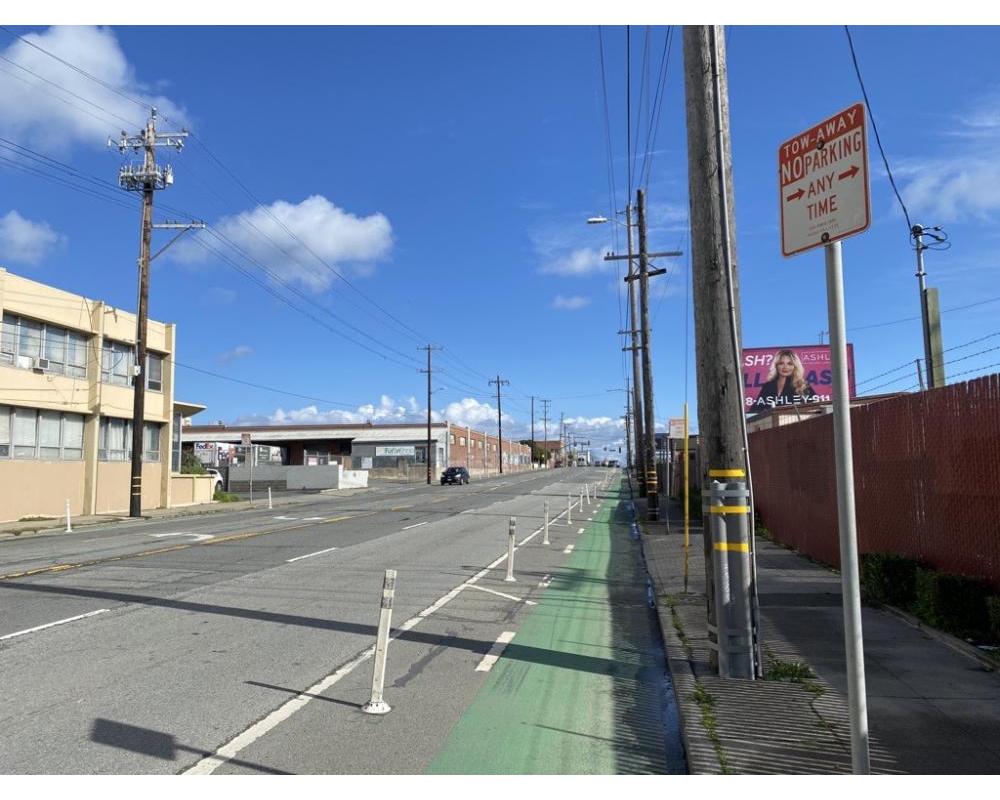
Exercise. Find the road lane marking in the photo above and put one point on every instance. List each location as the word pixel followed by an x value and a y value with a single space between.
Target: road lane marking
pixel 289 519
pixel 231 749
pixel 501 594
pixel 310 555
pixel 569 549
pixel 314 519
pixel 53 624
pixel 496 651
pixel 160 550
pixel 198 537
pixel 581 530
pixel 417 525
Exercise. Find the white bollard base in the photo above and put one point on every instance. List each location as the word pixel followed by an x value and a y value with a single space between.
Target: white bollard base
pixel 510 580
pixel 376 707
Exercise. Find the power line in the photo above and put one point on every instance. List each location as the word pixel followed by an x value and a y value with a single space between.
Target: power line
pixel 878 140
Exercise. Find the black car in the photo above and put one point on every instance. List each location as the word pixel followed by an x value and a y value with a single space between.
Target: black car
pixel 455 475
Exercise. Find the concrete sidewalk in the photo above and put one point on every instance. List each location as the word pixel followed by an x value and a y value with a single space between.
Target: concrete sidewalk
pixel 933 708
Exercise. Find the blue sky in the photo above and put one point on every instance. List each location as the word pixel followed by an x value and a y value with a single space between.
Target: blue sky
pixel 447 173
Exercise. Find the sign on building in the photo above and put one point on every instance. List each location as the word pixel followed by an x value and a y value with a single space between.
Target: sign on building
pixel 781 376
pixel 677 428
pixel 396 451
pixel 205 452
pixel 823 180
pixel 245 439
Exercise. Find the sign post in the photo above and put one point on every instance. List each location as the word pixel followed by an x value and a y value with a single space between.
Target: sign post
pixel 823 179
pixel 249 450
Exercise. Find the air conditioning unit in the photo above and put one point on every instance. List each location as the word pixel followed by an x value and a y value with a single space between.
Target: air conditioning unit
pixel 40 364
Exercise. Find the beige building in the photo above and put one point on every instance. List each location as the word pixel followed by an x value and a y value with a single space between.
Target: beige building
pixel 66 405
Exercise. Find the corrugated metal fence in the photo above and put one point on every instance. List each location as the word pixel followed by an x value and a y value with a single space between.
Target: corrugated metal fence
pixel 927 479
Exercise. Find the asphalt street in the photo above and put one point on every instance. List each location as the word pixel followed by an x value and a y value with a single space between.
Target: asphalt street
pixel 201 643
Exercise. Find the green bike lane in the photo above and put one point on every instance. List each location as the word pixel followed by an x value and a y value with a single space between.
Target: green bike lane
pixel 600 701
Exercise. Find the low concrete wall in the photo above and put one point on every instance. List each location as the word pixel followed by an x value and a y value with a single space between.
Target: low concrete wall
pixel 354 479
pixel 40 488
pixel 284 477
pixel 189 490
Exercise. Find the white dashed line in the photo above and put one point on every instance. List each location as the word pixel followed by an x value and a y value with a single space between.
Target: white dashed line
pixel 417 525
pixel 288 519
pixel 52 624
pixel 299 558
pixel 496 651
pixel 569 549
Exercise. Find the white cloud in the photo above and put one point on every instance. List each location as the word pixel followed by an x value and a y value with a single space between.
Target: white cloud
pixel 584 424
pixel 239 351
pixel 579 262
pixel 573 303
pixel 466 412
pixel 42 110
pixel 25 242
pixel 967 185
pixel 470 412
pixel 318 228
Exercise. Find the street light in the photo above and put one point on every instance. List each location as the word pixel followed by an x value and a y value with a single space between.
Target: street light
pixel 596 220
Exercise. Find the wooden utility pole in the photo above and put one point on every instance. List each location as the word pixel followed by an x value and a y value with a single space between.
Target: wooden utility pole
pixel 147 178
pixel 635 347
pixel 429 348
pixel 715 288
pixel 649 422
pixel 499 383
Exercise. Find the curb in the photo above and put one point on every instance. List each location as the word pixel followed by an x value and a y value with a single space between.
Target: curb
pixel 958 645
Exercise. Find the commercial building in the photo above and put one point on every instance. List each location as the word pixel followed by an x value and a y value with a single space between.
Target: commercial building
pixel 387 451
pixel 66 365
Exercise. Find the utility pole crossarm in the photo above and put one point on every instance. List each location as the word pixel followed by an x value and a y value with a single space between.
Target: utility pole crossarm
pixel 669 254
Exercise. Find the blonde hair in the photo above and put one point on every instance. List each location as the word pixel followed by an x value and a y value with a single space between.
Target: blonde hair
pixel 798 372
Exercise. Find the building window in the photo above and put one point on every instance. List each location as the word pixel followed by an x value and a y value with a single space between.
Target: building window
pixel 35 345
pixel 461 441
pixel 45 435
pixel 117 359
pixel 451 438
pixel 115 440
pixel 154 372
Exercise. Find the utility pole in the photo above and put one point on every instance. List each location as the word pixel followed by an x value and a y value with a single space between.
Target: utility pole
pixel 714 277
pixel 635 348
pixel 649 423
pixel 429 348
pixel 532 427
pixel 562 437
pixel 499 383
pixel 628 436
pixel 545 432
pixel 147 178
pixel 930 313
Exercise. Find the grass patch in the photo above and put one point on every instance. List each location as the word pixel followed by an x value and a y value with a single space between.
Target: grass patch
pixel 36 518
pixel 791 672
pixel 706 703
pixel 676 621
pixel 225 497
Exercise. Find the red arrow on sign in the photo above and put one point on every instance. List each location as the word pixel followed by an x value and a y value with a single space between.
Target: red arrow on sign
pixel 796 195
pixel 850 173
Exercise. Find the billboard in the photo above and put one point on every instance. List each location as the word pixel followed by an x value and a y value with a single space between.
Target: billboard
pixel 405 451
pixel 774 377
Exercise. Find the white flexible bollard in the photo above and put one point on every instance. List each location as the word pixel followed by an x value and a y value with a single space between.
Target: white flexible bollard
pixel 270 507
pixel 377 704
pixel 545 527
pixel 569 509
pixel 511 537
pixel 69 522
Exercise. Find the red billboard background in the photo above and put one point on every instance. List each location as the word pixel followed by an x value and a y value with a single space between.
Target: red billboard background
pixel 764 389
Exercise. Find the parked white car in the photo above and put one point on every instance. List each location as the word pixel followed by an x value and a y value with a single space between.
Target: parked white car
pixel 217 487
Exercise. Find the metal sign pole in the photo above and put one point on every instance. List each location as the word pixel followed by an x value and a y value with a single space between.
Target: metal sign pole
pixel 845 513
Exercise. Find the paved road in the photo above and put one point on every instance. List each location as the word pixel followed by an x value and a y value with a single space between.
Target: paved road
pixel 191 653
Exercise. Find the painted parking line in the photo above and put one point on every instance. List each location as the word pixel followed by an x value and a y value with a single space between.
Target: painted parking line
pixel 310 555
pixel 417 525
pixel 53 624
pixel 501 594
pixel 496 651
